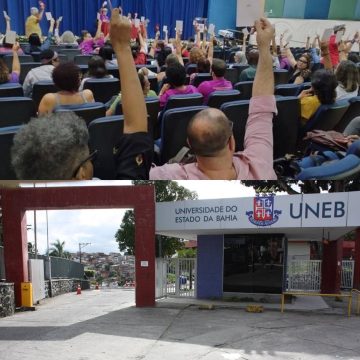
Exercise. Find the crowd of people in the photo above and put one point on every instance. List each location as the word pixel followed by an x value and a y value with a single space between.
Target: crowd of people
pixel 55 145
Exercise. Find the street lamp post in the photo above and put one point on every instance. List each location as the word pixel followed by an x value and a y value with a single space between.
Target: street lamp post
pixel 82 245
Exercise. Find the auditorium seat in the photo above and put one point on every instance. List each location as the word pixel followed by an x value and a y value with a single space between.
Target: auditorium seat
pixel 103 89
pixel 6 142
pixel 63 58
pixel 245 88
pixel 185 100
pixel 199 78
pixel 8 59
pixel 152 68
pixel 11 89
pixel 237 112
pixel 218 54
pixel 82 59
pixel 70 53
pixel 327 117
pixel 191 69
pixel 286 126
pixel 281 76
pixel 288 89
pixel 114 71
pixel 152 107
pixel 352 112
pixel 42 88
pixel 16 111
pixel 88 112
pixel 232 75
pixel 240 69
pixel 105 133
pixel 153 83
pixel 217 98
pixel 174 131
pixel 25 68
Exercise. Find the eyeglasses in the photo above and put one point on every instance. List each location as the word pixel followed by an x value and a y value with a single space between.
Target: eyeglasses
pixel 303 61
pixel 92 157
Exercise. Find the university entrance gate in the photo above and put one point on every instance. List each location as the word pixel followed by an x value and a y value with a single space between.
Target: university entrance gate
pixel 15 202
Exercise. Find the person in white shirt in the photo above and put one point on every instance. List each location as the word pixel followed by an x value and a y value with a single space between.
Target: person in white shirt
pixel 347 75
pixel 49 59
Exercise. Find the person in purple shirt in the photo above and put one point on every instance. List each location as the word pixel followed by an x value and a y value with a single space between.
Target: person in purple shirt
pixel 175 84
pixel 211 138
pixel 218 69
pixel 89 43
pixel 5 75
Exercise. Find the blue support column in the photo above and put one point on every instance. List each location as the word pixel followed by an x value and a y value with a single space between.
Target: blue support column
pixel 210 264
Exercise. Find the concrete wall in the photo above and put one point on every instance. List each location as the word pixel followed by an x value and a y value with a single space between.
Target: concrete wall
pixel 7 300
pixel 64 286
pixel 210 254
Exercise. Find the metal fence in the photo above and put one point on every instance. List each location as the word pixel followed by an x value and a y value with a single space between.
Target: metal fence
pixel 347 274
pixel 61 268
pixel 304 275
pixel 2 264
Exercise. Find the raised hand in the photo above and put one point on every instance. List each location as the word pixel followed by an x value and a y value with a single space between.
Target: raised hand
pixel 265 32
pixel 120 29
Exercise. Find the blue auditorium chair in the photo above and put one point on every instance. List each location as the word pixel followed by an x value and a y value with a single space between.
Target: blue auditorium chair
pixel 16 111
pixel 217 98
pixel 6 142
pixel 103 89
pixel 11 89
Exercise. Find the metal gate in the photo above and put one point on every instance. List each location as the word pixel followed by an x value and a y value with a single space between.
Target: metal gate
pixel 176 277
pixel 347 274
pixel 304 275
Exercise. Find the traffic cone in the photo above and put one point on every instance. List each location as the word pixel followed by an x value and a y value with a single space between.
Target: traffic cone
pixel 97 286
pixel 78 290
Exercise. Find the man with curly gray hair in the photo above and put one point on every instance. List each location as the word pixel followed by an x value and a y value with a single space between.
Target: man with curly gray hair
pixel 53 147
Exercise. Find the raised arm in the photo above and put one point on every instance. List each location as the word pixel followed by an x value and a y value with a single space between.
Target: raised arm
pixel 264 78
pixel 57 30
pixel 132 96
pixel 211 49
pixel 42 10
pixel 291 58
pixel 142 43
pixel 243 48
pixel 166 39
pixel 154 45
pixel 178 47
pixel 325 53
pixel 16 63
pixel 8 23
pixel 307 46
pixel 98 30
pixel 198 36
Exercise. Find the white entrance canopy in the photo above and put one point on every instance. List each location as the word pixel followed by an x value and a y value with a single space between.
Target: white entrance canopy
pixel 300 217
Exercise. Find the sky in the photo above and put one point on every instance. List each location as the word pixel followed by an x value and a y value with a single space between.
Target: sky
pixel 98 227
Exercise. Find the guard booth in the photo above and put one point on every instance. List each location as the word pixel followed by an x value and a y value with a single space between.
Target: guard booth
pixel 267 244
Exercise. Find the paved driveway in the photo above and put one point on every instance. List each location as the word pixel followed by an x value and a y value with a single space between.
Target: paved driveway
pixel 106 325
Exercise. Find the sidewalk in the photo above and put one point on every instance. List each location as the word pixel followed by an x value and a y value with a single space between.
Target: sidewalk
pixel 106 325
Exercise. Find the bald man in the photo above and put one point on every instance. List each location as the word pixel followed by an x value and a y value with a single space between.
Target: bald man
pixel 211 139
pixel 32 25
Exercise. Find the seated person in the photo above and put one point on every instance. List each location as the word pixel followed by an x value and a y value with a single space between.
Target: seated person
pixel 67 37
pixel 240 58
pixel 249 73
pixel 322 92
pixel 107 52
pixel 49 60
pixel 56 147
pixel 89 44
pixel 67 78
pixel 203 67
pixel 302 72
pixel 139 50
pixel 219 83
pixel 353 128
pixel 347 74
pixel 35 44
pixel 176 78
pixel 97 70
pixel 210 132
pixel 145 85
pixel 5 75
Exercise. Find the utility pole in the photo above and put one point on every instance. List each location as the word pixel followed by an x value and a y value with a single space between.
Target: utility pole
pixel 82 245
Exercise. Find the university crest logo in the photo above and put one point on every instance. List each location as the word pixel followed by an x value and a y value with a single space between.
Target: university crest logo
pixel 263 213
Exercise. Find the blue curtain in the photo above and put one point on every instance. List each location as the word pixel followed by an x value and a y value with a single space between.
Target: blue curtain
pixel 81 14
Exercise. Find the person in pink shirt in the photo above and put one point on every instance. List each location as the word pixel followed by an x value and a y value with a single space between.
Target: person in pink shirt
pixel 89 43
pixel 219 83
pixel 175 78
pixel 210 132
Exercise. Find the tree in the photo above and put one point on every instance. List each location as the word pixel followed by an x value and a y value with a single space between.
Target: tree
pixel 165 246
pixel 187 253
pixel 294 187
pixel 57 250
